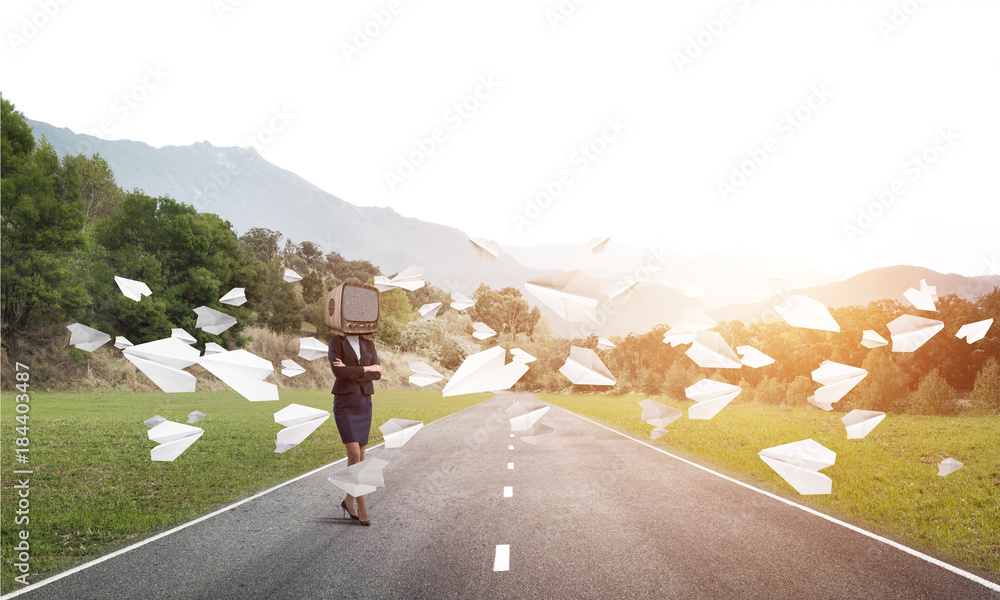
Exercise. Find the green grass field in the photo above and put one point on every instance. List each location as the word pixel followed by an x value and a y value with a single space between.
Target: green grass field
pixel 886 482
pixel 95 489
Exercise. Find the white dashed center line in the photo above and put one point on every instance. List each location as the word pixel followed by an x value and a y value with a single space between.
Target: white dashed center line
pixel 510 466
pixel 508 491
pixel 502 560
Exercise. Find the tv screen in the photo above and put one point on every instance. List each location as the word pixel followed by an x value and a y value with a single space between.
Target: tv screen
pixel 353 309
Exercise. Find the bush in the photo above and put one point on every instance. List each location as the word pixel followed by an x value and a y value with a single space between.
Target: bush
pixel 933 396
pixel 986 391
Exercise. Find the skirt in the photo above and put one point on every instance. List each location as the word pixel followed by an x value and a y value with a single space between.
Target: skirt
pixel 353 415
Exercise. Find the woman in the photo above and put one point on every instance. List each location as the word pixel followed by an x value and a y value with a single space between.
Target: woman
pixel 355 365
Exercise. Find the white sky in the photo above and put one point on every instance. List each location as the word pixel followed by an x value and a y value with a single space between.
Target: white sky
pixel 886 94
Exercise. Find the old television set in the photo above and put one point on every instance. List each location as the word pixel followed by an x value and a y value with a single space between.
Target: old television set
pixel 353 309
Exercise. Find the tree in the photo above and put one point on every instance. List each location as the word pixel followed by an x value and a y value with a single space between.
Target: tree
pixel 800 390
pixel 933 396
pixel 504 310
pixel 884 388
pixel 312 287
pixel 264 242
pixel 986 391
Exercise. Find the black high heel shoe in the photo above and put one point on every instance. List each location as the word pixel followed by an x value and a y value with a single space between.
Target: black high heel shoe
pixel 343 505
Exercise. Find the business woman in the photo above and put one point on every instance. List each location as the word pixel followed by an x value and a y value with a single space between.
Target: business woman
pixel 355 365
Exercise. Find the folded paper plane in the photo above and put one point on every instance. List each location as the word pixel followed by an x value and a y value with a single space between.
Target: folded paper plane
pixel 860 423
pixel 923 298
pixel 481 331
pixel 133 289
pixel 696 319
pixel 754 358
pixel 429 311
pixel 681 334
pixel 657 433
pixel 709 350
pixel 598 244
pixel 213 348
pixel 691 290
pixel 299 422
pixel 173 439
pixel 658 414
pixel 837 380
pixel 523 414
pixel 948 466
pixel 802 311
pixel 584 367
pixel 871 339
pixel 235 297
pixel 711 397
pixel 290 368
pixel 360 478
pixel 86 338
pixel 973 332
pixel 244 372
pixel 537 431
pixel 424 374
pixel 520 355
pixel 180 334
pixel 573 295
pixel 604 344
pixel 311 349
pixel 154 421
pixel 909 332
pixel 213 321
pixel 163 361
pixel 486 250
pixel 460 302
pixel 799 464
pixel 397 432
pixel 485 372
pixel 409 278
pixel 195 416
pixel 291 276
pixel 121 342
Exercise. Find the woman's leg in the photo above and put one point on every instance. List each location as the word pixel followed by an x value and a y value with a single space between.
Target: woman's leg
pixel 355 455
pixel 362 509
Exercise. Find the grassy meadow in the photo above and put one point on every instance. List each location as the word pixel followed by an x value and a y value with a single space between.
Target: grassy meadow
pixel 95 489
pixel 886 482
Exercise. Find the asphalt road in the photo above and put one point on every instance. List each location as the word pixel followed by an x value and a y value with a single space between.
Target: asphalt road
pixel 592 515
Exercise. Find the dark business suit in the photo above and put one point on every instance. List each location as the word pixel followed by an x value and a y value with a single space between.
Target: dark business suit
pixel 353 389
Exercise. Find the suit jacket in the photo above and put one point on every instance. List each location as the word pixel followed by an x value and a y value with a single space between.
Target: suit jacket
pixel 352 377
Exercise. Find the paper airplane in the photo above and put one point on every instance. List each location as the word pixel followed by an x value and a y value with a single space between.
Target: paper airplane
pixel 909 332
pixel 973 332
pixel 481 331
pixel 213 321
pixel 532 435
pixel 154 421
pixel 948 466
pixel 709 350
pixel 179 334
pixel 523 414
pixel 871 339
pixel 195 416
pixel 429 311
pixel 604 344
pixel 619 287
pixel 408 279
pixel 584 367
pixel 424 374
pixel 837 380
pixel 798 463
pixel 213 348
pixel 657 433
pixel 923 298
pixel 598 244
pixel 860 423
pixel 311 349
pixel 658 414
pixel 86 338
pixel 753 357
pixel 244 372
pixel 397 432
pixel 290 368
pixel 121 342
pixel 573 295
pixel 711 397
pixel 681 334
pixel 802 311
pixel 487 250
pixel 291 276
pixel 460 302
pixel 173 439
pixel 299 422
pixel 133 289
pixel 163 361
pixel 360 478
pixel 235 297
pixel 691 290
pixel 696 319
pixel 485 372
pixel 521 356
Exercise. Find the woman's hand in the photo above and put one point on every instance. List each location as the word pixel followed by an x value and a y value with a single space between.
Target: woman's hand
pixel 374 368
pixel 338 363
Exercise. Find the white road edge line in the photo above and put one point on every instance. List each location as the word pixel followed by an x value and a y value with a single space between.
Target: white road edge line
pixel 970 576
pixel 501 562
pixel 508 491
